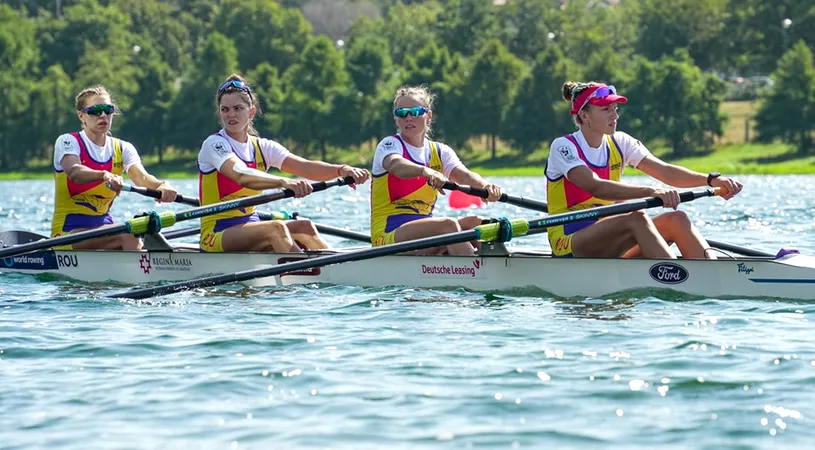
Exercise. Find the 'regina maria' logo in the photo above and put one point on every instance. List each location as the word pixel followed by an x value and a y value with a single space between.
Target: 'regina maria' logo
pixel 669 273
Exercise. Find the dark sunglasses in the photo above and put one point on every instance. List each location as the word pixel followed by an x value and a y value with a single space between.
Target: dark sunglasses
pixel 414 111
pixel 98 110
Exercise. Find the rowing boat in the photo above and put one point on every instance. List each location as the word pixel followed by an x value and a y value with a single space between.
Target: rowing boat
pixel 496 269
pixel 787 275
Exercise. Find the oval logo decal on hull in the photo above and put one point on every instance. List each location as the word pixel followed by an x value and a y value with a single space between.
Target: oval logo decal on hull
pixel 669 273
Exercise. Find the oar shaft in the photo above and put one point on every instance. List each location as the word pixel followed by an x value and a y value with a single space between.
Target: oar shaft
pixel 147 192
pixel 343 233
pixel 540 225
pixel 739 249
pixel 505 198
pixel 339 232
pixel 325 229
pixel 184 232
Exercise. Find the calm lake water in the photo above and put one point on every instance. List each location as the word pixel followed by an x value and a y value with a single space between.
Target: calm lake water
pixel 352 368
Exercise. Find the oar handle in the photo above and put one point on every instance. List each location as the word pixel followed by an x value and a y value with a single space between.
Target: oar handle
pixel 322 185
pixel 334 231
pixel 154 193
pixel 505 198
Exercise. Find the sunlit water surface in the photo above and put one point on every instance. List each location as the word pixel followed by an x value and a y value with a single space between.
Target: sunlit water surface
pixel 346 367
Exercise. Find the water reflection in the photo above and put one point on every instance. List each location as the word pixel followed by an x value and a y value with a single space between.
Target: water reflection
pixel 596 309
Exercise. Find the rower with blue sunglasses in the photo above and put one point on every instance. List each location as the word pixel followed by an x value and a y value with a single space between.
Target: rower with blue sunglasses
pixel 409 171
pixel 584 170
pixel 232 164
pixel 88 168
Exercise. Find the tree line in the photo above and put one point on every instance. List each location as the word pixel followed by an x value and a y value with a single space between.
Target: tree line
pixel 326 70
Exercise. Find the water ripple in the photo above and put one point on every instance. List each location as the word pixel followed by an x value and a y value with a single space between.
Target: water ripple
pixel 348 367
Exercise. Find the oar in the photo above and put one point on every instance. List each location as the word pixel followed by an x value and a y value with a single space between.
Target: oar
pixel 139 225
pixel 543 207
pixel 506 198
pixel 334 231
pixel 282 215
pixel 193 201
pixel 147 192
pixel 487 232
pixel 739 249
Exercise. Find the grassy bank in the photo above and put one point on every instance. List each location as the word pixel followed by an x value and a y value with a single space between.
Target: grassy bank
pixel 733 155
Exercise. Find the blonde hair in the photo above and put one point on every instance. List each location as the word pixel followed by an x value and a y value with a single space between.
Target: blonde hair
pixel 250 97
pixel 88 92
pixel 422 94
pixel 573 89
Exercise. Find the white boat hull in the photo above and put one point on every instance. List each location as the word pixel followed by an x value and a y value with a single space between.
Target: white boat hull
pixel 790 277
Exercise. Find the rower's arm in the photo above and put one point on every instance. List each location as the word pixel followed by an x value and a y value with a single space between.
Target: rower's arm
pixel 140 177
pixel 400 167
pixel 247 177
pixel 671 174
pixel 462 175
pixel 312 170
pixel 588 181
pixel 81 174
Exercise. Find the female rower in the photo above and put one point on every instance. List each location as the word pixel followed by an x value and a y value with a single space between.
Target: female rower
pixel 410 170
pixel 88 167
pixel 583 171
pixel 232 164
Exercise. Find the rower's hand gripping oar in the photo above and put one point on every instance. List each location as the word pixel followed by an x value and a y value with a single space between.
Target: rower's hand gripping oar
pixel 154 193
pixel 543 207
pixel 154 222
pixel 488 232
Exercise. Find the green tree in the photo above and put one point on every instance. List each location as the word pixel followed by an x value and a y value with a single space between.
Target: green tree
pixel 585 29
pixel 311 86
pixel 528 27
pixel 446 74
pixel 194 107
pixel 18 61
pixel 466 25
pixel 148 123
pixel 491 89
pixel 674 101
pixel 755 32
pixel 265 80
pixel 695 25
pixel 52 109
pixel 263 30
pixel 156 24
pixel 539 112
pixel 406 28
pixel 113 68
pixel 369 65
pixel 788 112
pixel 85 25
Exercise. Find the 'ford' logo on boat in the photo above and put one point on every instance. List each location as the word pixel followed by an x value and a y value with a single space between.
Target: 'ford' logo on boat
pixel 669 273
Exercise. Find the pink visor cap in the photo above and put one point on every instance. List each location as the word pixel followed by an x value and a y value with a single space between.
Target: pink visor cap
pixel 598 95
